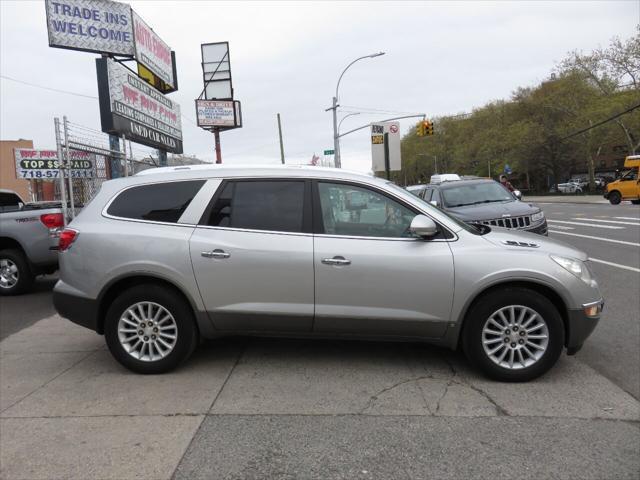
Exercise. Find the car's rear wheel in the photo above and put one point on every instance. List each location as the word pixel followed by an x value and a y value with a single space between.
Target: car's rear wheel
pixel 635 202
pixel 513 335
pixel 615 198
pixel 15 275
pixel 150 329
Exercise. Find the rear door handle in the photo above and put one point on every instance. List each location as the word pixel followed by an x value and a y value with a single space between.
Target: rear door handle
pixel 217 253
pixel 337 260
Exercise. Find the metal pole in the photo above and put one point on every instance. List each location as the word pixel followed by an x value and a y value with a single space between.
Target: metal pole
pixel 63 194
pixel 69 169
pixel 281 144
pixel 489 167
pixel 124 156
pixel 435 164
pixel 216 136
pixel 114 159
pixel 336 138
pixel 387 167
pixel 131 158
pixel 162 158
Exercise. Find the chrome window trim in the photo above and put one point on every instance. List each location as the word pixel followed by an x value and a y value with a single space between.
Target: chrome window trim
pixel 154 222
pixel 251 230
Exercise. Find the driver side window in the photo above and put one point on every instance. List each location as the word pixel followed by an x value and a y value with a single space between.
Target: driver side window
pixel 354 211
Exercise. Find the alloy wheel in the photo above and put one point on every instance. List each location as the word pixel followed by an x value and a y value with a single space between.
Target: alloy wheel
pixel 147 331
pixel 515 337
pixel 8 273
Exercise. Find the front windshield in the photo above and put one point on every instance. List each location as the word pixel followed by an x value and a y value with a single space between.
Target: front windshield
pixel 474 194
pixel 428 206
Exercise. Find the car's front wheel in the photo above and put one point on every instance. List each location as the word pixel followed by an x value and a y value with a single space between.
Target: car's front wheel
pixel 150 329
pixel 615 198
pixel 513 334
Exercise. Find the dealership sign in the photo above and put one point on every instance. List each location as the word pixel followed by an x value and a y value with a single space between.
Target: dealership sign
pixel 152 52
pixel 218 113
pixel 92 25
pixel 130 107
pixel 44 164
pixel 112 28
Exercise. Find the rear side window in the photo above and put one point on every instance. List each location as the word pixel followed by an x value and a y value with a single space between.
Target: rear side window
pixel 160 202
pixel 276 205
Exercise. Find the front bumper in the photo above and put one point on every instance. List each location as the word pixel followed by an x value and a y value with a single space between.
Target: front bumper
pixel 540 229
pixel 580 326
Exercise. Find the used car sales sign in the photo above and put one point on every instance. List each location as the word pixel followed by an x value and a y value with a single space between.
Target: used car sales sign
pixel 131 107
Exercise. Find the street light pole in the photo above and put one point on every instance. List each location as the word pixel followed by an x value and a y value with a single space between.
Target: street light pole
pixel 334 107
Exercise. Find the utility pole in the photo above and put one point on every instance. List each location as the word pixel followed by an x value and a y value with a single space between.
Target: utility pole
pixel 281 144
pixel 216 136
pixel 336 139
pixel 162 158
pixel 489 167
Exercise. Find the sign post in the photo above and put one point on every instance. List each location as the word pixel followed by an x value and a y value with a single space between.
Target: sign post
pixel 63 195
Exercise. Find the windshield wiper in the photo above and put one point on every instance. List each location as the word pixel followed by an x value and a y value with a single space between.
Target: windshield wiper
pixel 476 203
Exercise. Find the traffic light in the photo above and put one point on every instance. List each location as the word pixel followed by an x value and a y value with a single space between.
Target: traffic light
pixel 428 128
pixel 420 130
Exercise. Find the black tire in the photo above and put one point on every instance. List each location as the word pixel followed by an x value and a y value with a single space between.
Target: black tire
pixel 16 259
pixel 485 307
pixel 615 198
pixel 185 327
pixel 635 202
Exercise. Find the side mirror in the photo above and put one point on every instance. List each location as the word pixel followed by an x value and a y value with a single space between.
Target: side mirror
pixel 518 194
pixel 423 226
pixel 434 203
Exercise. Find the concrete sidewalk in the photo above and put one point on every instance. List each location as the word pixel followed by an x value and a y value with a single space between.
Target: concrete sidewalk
pixel 265 408
pixel 568 198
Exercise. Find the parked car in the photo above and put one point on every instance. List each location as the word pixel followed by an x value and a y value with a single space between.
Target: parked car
pixel 28 241
pixel 627 187
pixel 157 261
pixel 569 187
pixel 485 202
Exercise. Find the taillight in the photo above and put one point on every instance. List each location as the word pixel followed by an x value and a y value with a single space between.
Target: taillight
pixel 52 220
pixel 67 237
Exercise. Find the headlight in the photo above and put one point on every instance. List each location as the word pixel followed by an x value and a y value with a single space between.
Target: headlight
pixel 578 268
pixel 536 217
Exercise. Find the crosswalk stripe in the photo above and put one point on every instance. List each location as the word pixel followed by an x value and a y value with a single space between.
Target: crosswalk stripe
pixel 564 227
pixel 622 242
pixel 625 267
pixel 628 218
pixel 610 227
pixel 608 221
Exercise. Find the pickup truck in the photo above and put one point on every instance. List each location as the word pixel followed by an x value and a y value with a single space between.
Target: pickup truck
pixel 28 241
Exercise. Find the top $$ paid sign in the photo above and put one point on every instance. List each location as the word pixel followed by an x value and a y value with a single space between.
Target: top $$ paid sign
pixel 45 163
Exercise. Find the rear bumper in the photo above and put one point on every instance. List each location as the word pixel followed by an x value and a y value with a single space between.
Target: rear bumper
pixel 580 326
pixel 80 310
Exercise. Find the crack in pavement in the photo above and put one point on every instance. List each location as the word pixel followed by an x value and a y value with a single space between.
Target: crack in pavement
pixel 375 396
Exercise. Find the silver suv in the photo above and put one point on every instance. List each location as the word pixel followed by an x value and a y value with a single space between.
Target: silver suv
pixel 159 260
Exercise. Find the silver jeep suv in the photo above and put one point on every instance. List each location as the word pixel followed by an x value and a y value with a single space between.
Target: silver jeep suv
pixel 161 259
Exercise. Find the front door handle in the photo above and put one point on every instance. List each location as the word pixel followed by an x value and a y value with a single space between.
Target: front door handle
pixel 337 260
pixel 217 253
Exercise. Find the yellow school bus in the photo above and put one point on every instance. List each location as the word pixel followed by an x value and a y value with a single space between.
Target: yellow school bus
pixel 627 187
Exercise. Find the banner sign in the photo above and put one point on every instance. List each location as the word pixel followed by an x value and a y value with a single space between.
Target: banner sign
pixel 378 131
pixel 131 107
pixel 213 113
pixel 152 52
pixel 98 26
pixel 44 164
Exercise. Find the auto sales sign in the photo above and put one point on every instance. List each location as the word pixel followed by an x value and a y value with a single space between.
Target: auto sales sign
pixel 131 107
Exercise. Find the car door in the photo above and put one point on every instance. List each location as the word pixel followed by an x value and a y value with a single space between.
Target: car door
pixel 252 256
pixel 371 276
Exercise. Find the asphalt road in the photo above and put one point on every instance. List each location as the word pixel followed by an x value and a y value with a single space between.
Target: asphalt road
pixel 22 311
pixel 608 233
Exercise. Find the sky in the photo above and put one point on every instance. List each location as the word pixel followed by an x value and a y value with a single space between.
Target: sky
pixel 440 58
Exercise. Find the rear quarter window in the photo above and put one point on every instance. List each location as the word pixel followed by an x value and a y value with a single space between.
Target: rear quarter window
pixel 159 202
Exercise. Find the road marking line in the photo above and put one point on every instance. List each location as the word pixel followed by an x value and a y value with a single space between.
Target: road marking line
pixel 628 218
pixel 564 227
pixel 596 238
pixel 608 221
pixel 610 227
pixel 625 267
